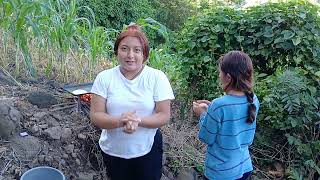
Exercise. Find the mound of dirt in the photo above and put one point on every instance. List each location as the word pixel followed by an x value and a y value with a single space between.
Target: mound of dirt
pixel 41 125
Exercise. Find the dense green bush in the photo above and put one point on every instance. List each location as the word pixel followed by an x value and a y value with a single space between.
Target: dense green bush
pixel 173 13
pixel 274 35
pixel 115 13
pixel 292 108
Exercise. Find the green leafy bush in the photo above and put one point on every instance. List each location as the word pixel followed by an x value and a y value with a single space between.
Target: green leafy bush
pixel 292 109
pixel 115 13
pixel 274 35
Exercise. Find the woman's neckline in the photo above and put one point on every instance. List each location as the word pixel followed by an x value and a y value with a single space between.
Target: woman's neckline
pixel 133 77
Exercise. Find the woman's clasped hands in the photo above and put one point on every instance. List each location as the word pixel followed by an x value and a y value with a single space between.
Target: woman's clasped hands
pixel 130 122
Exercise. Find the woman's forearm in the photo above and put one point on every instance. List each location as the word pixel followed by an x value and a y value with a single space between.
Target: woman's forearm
pixel 105 121
pixel 155 121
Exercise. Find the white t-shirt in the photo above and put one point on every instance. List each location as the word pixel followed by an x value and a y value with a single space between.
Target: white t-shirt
pixel 123 95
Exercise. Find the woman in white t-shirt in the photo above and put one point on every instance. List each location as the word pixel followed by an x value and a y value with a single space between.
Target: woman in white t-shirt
pixel 130 103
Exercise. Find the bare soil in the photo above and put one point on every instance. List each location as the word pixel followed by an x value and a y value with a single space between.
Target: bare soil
pixel 41 125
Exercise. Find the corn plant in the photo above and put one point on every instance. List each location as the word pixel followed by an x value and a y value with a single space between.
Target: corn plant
pixel 51 33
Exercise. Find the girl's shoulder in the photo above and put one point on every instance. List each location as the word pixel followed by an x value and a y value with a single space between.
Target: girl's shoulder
pixel 229 99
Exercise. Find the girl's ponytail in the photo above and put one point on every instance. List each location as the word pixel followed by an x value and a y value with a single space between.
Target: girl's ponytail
pixel 252 108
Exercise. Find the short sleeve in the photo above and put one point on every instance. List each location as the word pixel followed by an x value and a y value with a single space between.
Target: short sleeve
pixel 163 90
pixel 100 85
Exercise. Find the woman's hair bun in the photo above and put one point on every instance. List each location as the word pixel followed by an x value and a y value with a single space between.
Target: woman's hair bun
pixel 133 27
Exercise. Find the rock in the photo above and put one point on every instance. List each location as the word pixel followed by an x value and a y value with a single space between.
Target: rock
pixel 39 115
pixel 15 115
pixel 65 156
pixel 42 99
pixel 54 132
pixel 9 120
pixel 41 158
pixel 66 134
pixel 26 147
pixel 85 176
pixel 7 128
pixel 78 162
pixel 43 126
pixel 48 159
pixel 35 129
pixel 82 136
pixel 62 162
pixel 69 148
pixel 187 174
pixel 52 122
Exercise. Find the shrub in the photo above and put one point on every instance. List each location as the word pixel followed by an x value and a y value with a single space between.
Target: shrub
pixel 292 110
pixel 274 35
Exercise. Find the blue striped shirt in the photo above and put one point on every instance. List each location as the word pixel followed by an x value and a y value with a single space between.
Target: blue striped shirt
pixel 225 130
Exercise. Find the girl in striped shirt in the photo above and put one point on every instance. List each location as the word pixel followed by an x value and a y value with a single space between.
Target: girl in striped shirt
pixel 228 123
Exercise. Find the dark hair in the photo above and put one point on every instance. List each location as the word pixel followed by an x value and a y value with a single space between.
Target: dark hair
pixel 239 66
pixel 133 31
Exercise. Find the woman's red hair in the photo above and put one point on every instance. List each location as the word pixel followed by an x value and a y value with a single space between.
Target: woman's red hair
pixel 133 31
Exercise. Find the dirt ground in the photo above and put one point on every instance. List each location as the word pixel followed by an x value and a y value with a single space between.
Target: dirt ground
pixel 41 126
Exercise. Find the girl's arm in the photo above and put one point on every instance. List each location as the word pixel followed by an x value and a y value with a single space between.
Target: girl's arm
pixel 209 126
pixel 160 118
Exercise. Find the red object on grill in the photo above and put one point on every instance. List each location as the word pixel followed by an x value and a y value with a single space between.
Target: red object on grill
pixel 86 98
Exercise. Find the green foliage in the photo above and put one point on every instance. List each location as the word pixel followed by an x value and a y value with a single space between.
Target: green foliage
pixel 274 35
pixel 169 63
pixel 115 13
pixel 291 108
pixel 156 32
pixel 293 94
pixel 53 27
pixel 173 13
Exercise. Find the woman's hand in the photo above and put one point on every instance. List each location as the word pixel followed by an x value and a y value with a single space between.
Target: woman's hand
pixel 200 106
pixel 130 122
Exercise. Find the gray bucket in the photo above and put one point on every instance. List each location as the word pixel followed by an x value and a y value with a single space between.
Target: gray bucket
pixel 43 173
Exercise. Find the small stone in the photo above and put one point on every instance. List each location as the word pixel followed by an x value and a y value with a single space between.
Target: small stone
pixel 74 155
pixel 62 162
pixel 82 136
pixel 78 162
pixel 69 148
pixel 66 134
pixel 54 132
pixel 57 116
pixel 39 115
pixel 49 159
pixel 41 158
pixel 43 126
pixel 35 129
pixel 65 156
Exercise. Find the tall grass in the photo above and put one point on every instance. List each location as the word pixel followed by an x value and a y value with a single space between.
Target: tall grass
pixel 49 39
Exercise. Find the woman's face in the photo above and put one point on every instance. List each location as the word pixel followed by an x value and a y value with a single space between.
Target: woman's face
pixel 130 54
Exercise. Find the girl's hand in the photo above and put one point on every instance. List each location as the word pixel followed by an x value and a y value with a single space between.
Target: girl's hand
pixel 200 107
pixel 203 101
